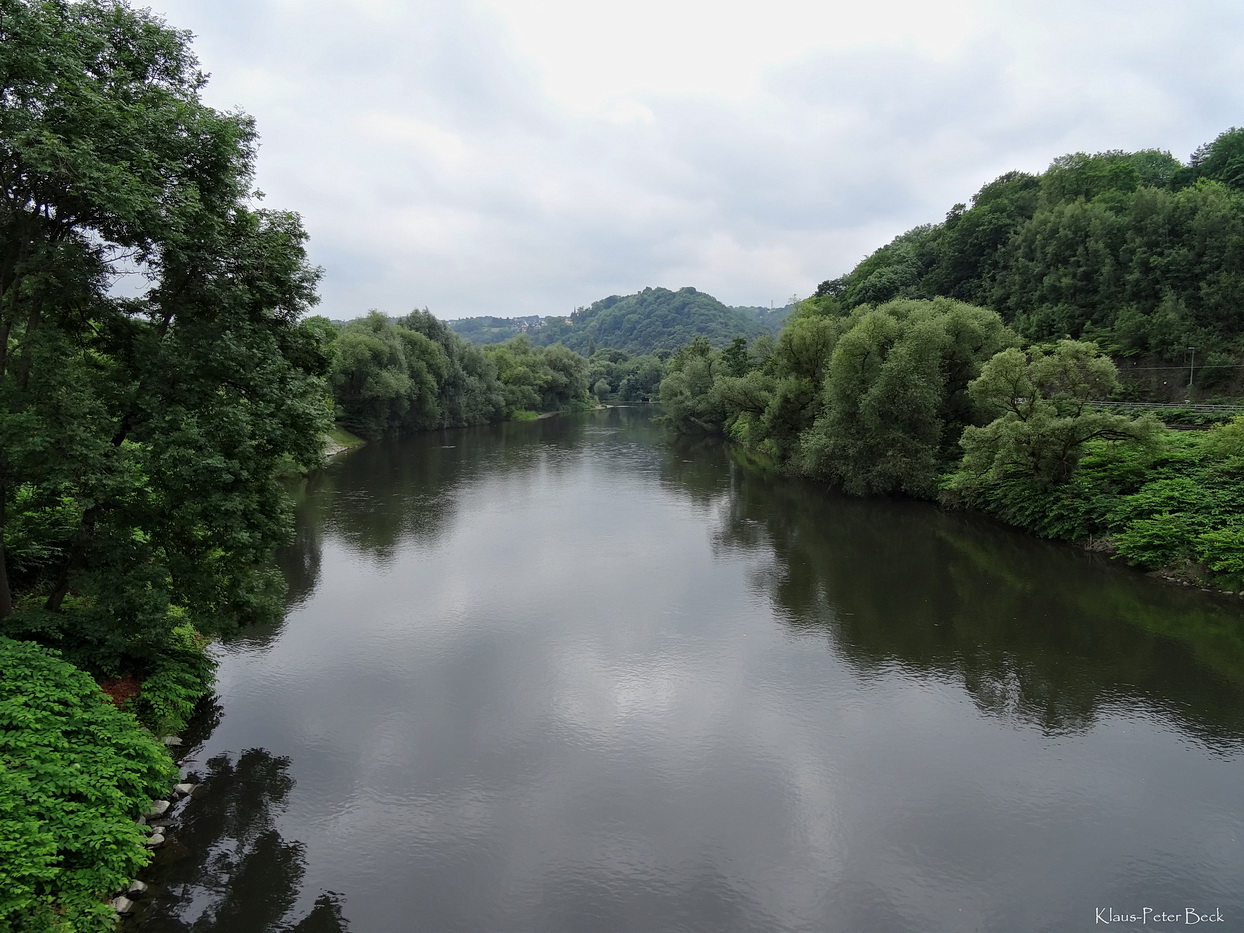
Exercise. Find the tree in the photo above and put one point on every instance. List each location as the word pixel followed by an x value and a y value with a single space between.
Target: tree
pixel 688 392
pixel 894 395
pixel 1222 160
pixel 1040 402
pixel 156 424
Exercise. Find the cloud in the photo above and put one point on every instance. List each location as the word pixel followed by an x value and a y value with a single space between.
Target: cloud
pixel 529 157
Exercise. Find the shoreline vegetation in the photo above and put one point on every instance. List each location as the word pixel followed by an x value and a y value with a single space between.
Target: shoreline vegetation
pixel 145 441
pixel 941 400
pixel 987 362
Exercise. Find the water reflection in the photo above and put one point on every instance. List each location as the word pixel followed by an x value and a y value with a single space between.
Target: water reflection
pixel 227 866
pixel 601 681
pixel 1039 632
pixel 1034 631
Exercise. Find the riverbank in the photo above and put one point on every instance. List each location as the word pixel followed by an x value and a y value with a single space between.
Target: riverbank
pixel 338 440
pixel 79 775
pixel 1169 508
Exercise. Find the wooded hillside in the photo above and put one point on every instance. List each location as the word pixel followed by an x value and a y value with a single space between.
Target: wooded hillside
pixel 1136 250
pixel 653 319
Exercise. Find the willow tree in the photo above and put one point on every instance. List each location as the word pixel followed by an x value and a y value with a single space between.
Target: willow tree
pixel 154 373
pixel 895 395
pixel 1042 405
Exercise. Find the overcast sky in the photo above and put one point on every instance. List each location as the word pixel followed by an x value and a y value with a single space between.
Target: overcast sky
pixel 529 156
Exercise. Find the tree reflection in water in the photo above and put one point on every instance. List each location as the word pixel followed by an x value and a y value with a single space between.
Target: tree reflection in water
pixel 229 869
pixel 1033 631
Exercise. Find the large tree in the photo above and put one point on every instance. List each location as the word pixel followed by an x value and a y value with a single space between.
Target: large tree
pixel 154 373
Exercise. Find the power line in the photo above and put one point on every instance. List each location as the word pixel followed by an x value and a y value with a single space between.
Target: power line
pixel 1133 369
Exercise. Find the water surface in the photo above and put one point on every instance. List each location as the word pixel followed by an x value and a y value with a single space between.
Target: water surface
pixel 566 676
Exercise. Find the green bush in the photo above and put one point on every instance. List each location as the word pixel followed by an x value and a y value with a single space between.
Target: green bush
pixel 74 774
pixel 183 674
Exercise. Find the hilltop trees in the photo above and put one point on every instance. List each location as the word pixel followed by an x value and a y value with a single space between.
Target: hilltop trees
pixel 1134 250
pixel 654 319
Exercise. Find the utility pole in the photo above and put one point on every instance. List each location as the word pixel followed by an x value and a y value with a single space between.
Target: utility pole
pixel 1191 370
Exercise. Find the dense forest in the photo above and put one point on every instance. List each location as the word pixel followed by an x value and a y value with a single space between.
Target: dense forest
pixel 965 361
pixel 1136 251
pixel 651 320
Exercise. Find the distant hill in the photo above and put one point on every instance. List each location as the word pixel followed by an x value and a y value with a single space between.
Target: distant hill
pixel 483 330
pixel 653 319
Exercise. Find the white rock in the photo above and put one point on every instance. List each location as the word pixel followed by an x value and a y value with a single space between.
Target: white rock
pixel 158 809
pixel 184 790
pixel 156 840
pixel 122 905
pixel 171 740
pixel 136 889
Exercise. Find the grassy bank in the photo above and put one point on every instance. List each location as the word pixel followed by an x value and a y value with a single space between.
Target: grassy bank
pixel 339 439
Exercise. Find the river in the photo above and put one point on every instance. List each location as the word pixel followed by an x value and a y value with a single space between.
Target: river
pixel 567 676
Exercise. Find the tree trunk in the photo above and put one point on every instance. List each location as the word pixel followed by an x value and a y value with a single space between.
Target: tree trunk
pixel 6 595
pixel 74 563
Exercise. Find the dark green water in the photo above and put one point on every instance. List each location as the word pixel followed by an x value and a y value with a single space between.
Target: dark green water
pixel 565 677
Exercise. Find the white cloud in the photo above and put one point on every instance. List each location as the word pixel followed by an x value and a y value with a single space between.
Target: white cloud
pixel 534 155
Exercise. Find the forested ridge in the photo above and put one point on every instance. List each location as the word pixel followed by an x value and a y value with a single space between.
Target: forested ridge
pixel 651 320
pixel 1137 251
pixel 963 361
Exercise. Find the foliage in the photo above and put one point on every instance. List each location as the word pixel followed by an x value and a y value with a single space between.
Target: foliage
pixel 873 401
pixel 539 378
pixel 894 395
pixel 1134 249
pixel 618 375
pixel 182 676
pixel 932 398
pixel 1041 400
pixel 410 374
pixel 1171 504
pixel 1132 252
pixel 654 319
pixel 689 393
pixel 74 775
pixel 141 438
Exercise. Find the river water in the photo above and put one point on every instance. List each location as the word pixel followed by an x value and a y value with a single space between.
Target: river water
pixel 566 676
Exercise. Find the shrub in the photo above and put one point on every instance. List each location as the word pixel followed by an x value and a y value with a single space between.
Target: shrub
pixel 74 774
pixel 183 675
